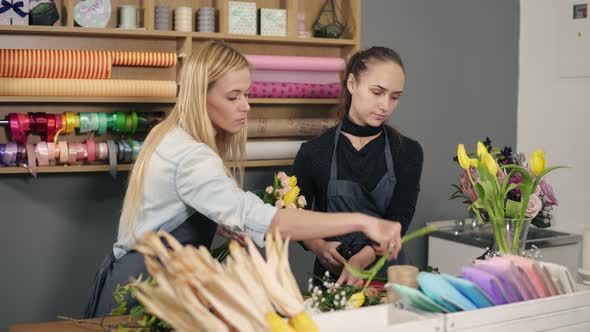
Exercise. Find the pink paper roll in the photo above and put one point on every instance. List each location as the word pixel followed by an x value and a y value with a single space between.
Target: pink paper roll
pixel 275 62
pixel 319 77
pixel 294 90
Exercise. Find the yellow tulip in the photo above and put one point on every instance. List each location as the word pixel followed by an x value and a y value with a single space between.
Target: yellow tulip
pixel 291 196
pixel 490 163
pixel 537 162
pixel 292 181
pixel 462 156
pixel 481 148
pixel 473 162
pixel 356 300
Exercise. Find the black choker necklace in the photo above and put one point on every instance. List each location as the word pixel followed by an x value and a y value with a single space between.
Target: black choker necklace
pixel 356 130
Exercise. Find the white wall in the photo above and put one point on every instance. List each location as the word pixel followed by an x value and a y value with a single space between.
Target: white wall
pixel 553 112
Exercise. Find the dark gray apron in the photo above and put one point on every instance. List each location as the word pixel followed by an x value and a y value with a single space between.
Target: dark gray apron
pixel 197 230
pixel 349 196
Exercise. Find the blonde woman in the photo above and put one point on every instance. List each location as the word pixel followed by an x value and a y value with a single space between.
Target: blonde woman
pixel 180 182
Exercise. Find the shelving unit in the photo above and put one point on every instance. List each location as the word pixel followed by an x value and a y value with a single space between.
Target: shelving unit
pixel 65 35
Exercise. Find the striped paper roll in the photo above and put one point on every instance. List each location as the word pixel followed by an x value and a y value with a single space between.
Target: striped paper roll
pixel 55 64
pixel 272 150
pixel 289 127
pixel 144 59
pixel 86 88
pixel 294 90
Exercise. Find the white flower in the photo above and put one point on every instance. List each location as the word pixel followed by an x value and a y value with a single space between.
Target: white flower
pixel 323 299
pixel 326 285
pixel 343 293
pixel 335 302
pixel 329 291
pixel 269 189
pixel 280 203
pixel 309 288
pixel 337 297
pixel 301 202
pixel 320 292
pixel 315 289
pixel 310 281
pixel 291 206
pixel 327 274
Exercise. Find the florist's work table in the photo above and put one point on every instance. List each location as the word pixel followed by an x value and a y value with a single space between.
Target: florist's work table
pixel 85 325
pixel 569 312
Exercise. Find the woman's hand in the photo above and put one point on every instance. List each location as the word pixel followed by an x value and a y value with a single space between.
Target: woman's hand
pixel 360 260
pixel 225 233
pixel 386 234
pixel 328 256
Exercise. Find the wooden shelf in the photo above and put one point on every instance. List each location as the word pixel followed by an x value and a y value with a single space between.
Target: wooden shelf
pixel 112 100
pixel 293 101
pixel 64 169
pixel 155 34
pixel 90 32
pixel 125 168
pixel 274 40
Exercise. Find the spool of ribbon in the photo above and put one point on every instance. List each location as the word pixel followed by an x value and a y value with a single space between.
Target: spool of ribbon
pixel 103 151
pixel 63 152
pixel 9 154
pixel 91 151
pixel 72 122
pixel 19 126
pixel 102 123
pixel 42 153
pixel 112 150
pixel 88 122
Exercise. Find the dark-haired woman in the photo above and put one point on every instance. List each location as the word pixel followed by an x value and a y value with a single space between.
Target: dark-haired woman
pixel 362 164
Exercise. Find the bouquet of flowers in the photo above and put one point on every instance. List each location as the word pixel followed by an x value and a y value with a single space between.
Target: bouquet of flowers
pixel 503 189
pixel 541 202
pixel 284 193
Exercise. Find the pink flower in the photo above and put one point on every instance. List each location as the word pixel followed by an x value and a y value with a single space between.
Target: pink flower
pixel 285 183
pixel 282 176
pixel 301 202
pixel 280 203
pixel 548 193
pixel 534 206
pixel 269 189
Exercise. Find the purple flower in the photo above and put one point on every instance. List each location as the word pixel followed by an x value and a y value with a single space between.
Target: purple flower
pixel 548 193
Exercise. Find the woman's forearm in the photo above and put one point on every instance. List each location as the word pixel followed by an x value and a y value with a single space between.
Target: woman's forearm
pixel 306 225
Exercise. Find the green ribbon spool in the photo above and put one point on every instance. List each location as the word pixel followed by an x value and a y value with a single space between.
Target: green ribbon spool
pixel 102 123
pixel 120 117
pixel 88 122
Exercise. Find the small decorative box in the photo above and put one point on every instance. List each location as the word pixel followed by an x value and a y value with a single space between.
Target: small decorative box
pixel 14 12
pixel 242 18
pixel 273 22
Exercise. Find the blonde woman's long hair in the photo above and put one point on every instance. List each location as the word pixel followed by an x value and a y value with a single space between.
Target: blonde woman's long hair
pixel 202 69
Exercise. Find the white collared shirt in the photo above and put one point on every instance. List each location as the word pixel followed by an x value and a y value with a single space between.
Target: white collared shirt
pixel 184 176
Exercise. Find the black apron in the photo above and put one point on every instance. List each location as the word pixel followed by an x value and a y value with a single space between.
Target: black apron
pixel 197 230
pixel 349 196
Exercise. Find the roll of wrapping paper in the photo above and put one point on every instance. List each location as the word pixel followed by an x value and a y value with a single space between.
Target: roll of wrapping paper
pixel 289 127
pixel 272 150
pixel 86 88
pixel 294 90
pixel 144 59
pixel 276 62
pixel 318 77
pixel 55 64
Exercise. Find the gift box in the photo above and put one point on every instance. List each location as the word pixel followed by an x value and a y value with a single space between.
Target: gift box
pixel 242 18
pixel 14 12
pixel 273 22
